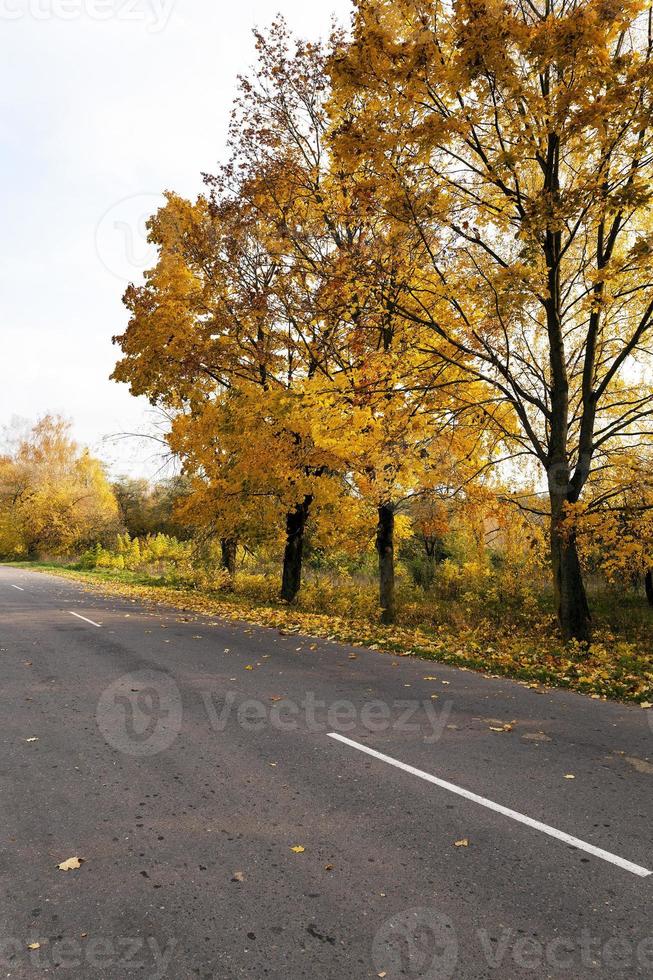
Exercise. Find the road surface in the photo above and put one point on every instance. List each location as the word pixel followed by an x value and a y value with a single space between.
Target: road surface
pixel 189 761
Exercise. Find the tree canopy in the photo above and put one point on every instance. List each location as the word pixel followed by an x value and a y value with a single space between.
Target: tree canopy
pixel 423 268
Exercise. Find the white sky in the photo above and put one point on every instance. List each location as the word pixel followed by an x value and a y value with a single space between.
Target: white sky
pixel 104 104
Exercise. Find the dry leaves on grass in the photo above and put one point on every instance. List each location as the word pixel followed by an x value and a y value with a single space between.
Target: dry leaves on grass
pixel 611 668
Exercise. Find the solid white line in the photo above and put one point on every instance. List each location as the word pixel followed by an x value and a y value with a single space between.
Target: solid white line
pixel 636 869
pixel 84 618
pixel 18 587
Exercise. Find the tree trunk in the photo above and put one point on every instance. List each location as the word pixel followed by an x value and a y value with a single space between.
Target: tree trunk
pixel 385 548
pixel 292 557
pixel 569 589
pixel 648 585
pixel 228 546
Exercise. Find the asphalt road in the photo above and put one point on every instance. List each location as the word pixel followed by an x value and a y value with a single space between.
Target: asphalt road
pixel 184 758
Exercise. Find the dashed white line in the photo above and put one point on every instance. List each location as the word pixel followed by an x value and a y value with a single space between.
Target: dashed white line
pixel 18 587
pixel 544 828
pixel 84 618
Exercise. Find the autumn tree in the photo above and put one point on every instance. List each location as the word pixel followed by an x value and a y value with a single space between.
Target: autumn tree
pixel 227 321
pixel 55 497
pixel 209 337
pixel 357 354
pixel 509 146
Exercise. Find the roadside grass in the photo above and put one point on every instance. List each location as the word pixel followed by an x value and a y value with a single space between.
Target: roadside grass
pixel 526 647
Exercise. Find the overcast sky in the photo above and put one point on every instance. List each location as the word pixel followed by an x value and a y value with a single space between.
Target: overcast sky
pixel 105 103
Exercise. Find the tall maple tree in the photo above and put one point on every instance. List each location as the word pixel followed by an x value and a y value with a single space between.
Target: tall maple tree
pixel 356 354
pixel 209 339
pixel 509 146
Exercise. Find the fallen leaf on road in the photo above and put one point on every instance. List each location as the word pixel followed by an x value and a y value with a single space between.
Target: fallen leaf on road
pixel 33 739
pixel 71 864
pixel 382 974
pixel 536 737
pixel 646 704
pixel 328 867
pixel 249 667
pixel 641 765
pixel 238 876
pixel 33 945
pixel 462 843
pixel 298 849
pixel 569 775
pixel 429 678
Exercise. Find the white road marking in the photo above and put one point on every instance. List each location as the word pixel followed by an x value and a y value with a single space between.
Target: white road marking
pixel 84 618
pixel 18 587
pixel 636 869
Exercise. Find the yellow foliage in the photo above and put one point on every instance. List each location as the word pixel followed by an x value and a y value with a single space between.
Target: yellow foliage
pixel 54 497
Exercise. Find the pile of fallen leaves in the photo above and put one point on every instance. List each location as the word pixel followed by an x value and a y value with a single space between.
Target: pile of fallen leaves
pixel 611 668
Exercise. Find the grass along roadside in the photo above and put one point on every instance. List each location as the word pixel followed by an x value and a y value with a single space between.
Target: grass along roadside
pixel 612 668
